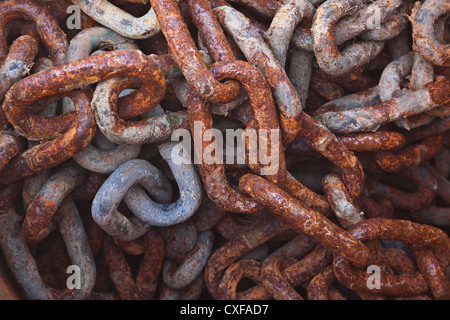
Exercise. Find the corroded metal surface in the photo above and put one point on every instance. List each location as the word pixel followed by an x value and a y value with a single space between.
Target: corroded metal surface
pixel 129 152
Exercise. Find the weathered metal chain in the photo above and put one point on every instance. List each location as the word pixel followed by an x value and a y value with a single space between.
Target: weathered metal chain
pixel 96 171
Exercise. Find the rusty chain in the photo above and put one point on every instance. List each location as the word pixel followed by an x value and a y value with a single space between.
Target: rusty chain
pixel 115 158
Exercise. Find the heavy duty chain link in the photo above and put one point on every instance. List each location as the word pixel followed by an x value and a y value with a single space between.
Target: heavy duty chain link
pixel 116 159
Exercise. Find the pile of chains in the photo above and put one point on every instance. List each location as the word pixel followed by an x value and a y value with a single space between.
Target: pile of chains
pixel 92 93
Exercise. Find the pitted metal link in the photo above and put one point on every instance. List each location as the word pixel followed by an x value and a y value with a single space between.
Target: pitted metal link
pixel 153 129
pixel 306 220
pixel 187 56
pixel 179 277
pixel 328 56
pixel 259 54
pixel 176 212
pixel 360 92
pixel 40 212
pixel 369 118
pixel 147 212
pixel 424 18
pixel 104 205
pixel 105 160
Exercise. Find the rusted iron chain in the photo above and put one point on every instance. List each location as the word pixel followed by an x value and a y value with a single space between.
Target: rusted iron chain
pixel 432 272
pixel 296 274
pixel 41 210
pixel 68 77
pixel 304 219
pixel 426 190
pixel 187 56
pixel 16 61
pixel 423 19
pixel 273 280
pixel 320 286
pixel 47 26
pixel 111 157
pixel 287 17
pixel 152 129
pixel 10 145
pixel 21 261
pixel 292 119
pixel 369 118
pixel 179 277
pixel 410 156
pixel 104 206
pixel 229 253
pixel 259 54
pixel 213 175
pixel 327 54
pixel 387 229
